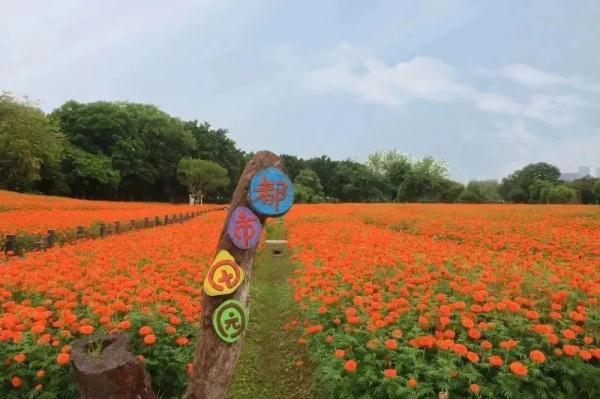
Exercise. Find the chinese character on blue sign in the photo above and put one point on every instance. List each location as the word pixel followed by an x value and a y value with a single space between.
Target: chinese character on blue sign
pixel 271 192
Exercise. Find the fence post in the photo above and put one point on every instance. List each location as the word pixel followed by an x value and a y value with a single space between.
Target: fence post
pixel 146 224
pixel 50 238
pixel 263 190
pixel 80 232
pixel 132 225
pixel 102 230
pixel 117 227
pixel 10 246
pixel 156 221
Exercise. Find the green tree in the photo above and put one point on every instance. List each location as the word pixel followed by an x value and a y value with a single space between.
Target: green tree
pixel 355 182
pixel 214 145
pixel 561 194
pixel 596 191
pixel 515 187
pixel 539 191
pixel 308 186
pixel 450 191
pixel 325 168
pixel 584 187
pixel 424 181
pixel 89 175
pixel 201 177
pixel 481 191
pixel 394 166
pixel 143 143
pixel 29 142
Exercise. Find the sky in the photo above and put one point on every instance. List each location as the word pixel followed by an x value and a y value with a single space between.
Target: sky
pixel 486 86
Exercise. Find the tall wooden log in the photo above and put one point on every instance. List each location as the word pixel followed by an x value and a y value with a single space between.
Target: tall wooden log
pixel 215 360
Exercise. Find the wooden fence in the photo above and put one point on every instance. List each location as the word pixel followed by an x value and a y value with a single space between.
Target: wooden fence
pixel 17 245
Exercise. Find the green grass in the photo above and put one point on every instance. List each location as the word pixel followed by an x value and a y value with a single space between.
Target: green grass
pixel 267 365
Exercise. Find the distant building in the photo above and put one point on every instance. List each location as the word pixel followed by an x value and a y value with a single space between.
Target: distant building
pixel 584 171
pixel 569 176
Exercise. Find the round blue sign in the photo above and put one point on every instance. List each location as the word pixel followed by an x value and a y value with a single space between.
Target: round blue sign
pixel 271 192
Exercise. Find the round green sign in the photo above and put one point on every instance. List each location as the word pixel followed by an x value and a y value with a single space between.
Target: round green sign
pixel 229 320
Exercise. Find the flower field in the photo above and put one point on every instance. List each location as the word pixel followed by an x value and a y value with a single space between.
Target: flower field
pixel 147 283
pixel 479 301
pixel 35 214
pixel 391 301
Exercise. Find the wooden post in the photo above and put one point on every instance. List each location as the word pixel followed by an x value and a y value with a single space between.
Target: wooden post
pixel 113 372
pixel 50 238
pixel 80 232
pixel 102 230
pixel 218 347
pixel 166 220
pixel 156 221
pixel 117 227
pixel 10 246
pixel 132 224
pixel 146 223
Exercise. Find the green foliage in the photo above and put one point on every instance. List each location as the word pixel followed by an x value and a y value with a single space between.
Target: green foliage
pixel 596 191
pixel 423 182
pixel 201 177
pixel 584 188
pixel 354 182
pixel 515 187
pixel 308 187
pixel 28 143
pixel 481 191
pixel 561 194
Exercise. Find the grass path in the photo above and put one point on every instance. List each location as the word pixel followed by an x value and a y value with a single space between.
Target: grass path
pixel 267 365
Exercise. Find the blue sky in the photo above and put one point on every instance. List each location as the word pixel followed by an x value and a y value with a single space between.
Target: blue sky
pixel 486 86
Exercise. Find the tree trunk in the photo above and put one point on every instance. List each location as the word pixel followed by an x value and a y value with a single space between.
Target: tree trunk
pixel 215 360
pixel 105 369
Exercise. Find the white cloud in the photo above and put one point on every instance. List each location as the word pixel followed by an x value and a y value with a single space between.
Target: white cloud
pixel 553 110
pixel 532 77
pixel 374 81
pixel 432 79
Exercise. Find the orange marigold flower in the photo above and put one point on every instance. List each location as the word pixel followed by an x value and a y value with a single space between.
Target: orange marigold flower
pixel 40 373
pixel 508 344
pixel 411 382
pixel 495 361
pixel 329 339
pixel 397 333
pixel 474 388
pixel 339 353
pixel 585 355
pixel 63 358
pixel 390 373
pixel 487 345
pixel 145 330
pixel 474 333
pixel 86 330
pixel 350 366
pixel 16 382
pixel 537 356
pixel 569 334
pixel 391 344
pixel 20 357
pixel 372 344
pixel 169 329
pixel 518 368
pixel 570 350
pixel 182 341
pixel 39 387
pixel 124 325
pixel 150 339
pixel 473 357
pixel 314 329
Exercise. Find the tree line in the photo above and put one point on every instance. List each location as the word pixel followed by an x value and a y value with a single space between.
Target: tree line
pixel 130 151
